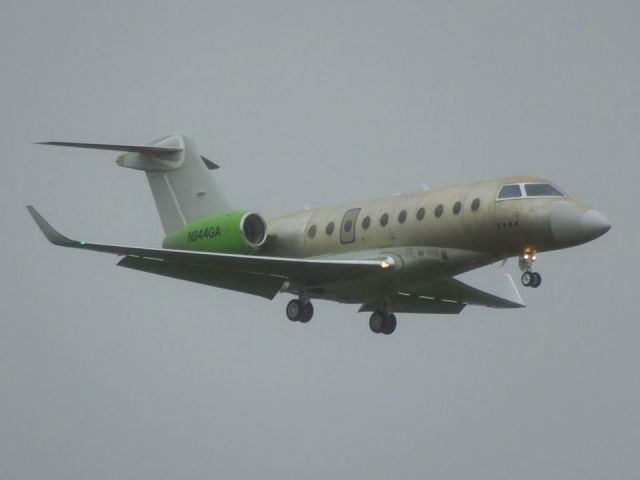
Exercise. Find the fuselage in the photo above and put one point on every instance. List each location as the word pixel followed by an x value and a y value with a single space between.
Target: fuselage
pixel 403 253
pixel 501 218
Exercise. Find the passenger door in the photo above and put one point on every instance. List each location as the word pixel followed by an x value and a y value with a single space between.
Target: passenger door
pixel 348 227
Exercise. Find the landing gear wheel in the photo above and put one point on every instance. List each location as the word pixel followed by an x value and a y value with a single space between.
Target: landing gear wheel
pixel 307 312
pixel 295 309
pixel 527 279
pixel 377 322
pixel 537 280
pixel 299 311
pixel 389 324
pixel 380 322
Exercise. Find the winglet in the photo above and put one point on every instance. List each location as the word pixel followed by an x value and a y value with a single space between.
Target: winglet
pixel 51 233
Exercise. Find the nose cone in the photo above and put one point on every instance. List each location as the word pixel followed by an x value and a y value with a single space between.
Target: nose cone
pixel 572 225
pixel 594 224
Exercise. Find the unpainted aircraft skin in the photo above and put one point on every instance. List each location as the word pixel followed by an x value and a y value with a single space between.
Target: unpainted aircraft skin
pixel 403 253
pixel 504 228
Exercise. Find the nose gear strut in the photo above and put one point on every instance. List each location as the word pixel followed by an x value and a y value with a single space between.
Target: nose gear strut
pixel 529 277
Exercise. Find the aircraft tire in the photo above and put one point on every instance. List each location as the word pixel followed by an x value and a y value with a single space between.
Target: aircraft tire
pixel 295 310
pixel 377 322
pixel 390 324
pixel 527 279
pixel 537 280
pixel 307 313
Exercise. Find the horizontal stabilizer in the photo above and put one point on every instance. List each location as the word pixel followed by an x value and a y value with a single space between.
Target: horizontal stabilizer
pixel 117 148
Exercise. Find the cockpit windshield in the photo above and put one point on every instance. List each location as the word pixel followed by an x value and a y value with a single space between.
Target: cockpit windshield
pixel 528 190
pixel 510 191
pixel 542 190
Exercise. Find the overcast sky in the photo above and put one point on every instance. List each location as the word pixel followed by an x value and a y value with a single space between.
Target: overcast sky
pixel 110 373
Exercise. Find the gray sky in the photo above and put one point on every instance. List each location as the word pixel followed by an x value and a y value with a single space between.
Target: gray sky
pixel 109 373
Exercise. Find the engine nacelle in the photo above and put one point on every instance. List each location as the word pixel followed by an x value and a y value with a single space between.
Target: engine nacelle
pixel 232 232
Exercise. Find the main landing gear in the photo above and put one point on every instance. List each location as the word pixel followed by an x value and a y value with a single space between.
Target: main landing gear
pixel 299 311
pixel 529 278
pixel 381 322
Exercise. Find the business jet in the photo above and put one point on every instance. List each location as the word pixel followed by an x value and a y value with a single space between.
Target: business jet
pixel 400 254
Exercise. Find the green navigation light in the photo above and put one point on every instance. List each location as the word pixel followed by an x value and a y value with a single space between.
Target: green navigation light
pixel 83 242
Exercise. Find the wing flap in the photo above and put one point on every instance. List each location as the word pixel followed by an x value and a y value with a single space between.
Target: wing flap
pixel 403 303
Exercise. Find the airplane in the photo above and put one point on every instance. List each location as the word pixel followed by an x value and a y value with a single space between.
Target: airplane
pixel 401 254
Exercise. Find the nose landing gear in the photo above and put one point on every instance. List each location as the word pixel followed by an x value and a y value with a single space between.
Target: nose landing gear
pixel 529 278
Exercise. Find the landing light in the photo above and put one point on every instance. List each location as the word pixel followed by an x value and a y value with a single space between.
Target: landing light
pixel 387 262
pixel 533 257
pixel 526 256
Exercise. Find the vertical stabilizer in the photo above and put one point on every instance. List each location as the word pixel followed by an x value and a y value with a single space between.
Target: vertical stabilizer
pixel 182 185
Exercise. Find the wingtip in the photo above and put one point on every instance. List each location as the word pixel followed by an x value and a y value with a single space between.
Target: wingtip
pixel 49 232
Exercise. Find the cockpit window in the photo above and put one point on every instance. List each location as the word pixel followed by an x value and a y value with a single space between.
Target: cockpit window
pixel 542 190
pixel 510 191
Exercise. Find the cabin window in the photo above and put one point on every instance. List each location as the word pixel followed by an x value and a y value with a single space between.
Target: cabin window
pixel 330 227
pixel 347 225
pixel 542 190
pixel 366 222
pixel 312 231
pixel 402 216
pixel 420 213
pixel 510 191
pixel 384 219
pixel 457 207
pixel 475 205
pixel 438 211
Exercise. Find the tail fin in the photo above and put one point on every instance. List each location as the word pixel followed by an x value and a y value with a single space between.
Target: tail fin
pixel 182 187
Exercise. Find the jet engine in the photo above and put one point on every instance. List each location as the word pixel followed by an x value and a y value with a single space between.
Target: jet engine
pixel 237 231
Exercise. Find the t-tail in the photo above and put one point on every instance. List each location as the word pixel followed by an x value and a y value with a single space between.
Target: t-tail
pixel 183 188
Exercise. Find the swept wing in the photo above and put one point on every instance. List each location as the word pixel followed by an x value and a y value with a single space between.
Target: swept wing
pixel 253 274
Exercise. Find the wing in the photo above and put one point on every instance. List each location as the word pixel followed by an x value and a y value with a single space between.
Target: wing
pixel 258 275
pixel 452 295
pixel 453 289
